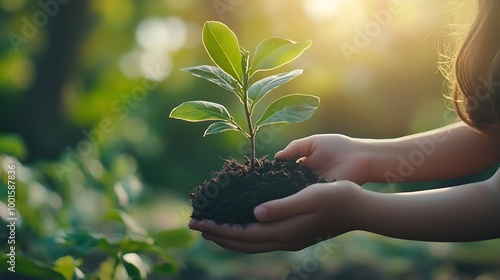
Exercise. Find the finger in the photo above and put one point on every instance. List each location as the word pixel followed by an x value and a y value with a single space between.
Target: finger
pixel 297 204
pixel 253 233
pixel 242 246
pixel 239 232
pixel 296 149
pixel 288 235
pixel 197 224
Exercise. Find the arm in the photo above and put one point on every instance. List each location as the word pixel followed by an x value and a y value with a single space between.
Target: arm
pixel 463 213
pixel 449 152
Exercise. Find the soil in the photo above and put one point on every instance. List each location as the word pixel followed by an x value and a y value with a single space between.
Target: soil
pixel 232 194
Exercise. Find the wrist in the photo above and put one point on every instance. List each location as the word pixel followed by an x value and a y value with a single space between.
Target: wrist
pixel 388 160
pixel 344 204
pixel 370 159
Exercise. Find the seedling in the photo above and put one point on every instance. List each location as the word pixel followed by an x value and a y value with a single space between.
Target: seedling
pixel 234 71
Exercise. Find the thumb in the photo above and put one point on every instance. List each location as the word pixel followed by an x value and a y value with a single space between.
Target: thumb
pixel 283 208
pixel 295 150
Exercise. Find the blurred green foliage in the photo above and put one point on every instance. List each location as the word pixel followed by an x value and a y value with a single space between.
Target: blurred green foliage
pixel 103 174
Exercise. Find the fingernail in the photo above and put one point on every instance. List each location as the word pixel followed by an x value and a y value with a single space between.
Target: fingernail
pixel 260 212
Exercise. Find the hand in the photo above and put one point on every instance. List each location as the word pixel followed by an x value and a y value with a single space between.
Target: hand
pixel 316 213
pixel 330 156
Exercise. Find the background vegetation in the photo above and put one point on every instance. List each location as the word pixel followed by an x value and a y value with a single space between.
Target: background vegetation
pixel 103 174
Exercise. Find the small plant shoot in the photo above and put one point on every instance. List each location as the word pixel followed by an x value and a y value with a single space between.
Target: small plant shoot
pixel 234 71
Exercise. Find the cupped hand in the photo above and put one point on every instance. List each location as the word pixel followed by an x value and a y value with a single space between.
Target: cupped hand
pixel 330 156
pixel 314 214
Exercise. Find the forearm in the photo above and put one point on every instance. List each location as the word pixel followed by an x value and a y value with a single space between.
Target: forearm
pixel 463 213
pixel 449 152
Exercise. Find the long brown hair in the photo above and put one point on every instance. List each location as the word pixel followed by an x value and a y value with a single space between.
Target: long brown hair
pixel 474 75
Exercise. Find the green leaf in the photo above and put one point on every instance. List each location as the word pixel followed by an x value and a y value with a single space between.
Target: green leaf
pixel 66 266
pixel 169 260
pixel 107 268
pixel 174 238
pixel 133 272
pixel 79 275
pixel 135 244
pixel 13 144
pixel 275 52
pixel 26 268
pixel 165 269
pixel 245 56
pixel 196 111
pixel 121 194
pixel 292 108
pixel 223 48
pixel 83 240
pixel 131 244
pixel 219 127
pixel 216 76
pixel 260 88
pixel 127 220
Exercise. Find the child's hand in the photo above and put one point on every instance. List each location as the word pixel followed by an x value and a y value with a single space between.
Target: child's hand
pixel 330 156
pixel 316 213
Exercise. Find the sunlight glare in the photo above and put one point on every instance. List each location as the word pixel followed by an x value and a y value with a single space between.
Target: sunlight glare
pixel 162 33
pixel 322 9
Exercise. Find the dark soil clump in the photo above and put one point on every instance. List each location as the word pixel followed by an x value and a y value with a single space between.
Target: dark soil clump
pixel 235 191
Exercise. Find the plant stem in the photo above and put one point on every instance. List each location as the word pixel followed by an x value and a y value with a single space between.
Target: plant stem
pixel 252 144
pixel 251 134
pixel 248 114
pixel 248 107
pixel 115 267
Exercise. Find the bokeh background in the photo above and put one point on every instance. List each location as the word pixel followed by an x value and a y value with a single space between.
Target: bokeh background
pixel 86 87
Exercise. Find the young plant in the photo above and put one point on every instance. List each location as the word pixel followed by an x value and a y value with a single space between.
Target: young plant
pixel 233 73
